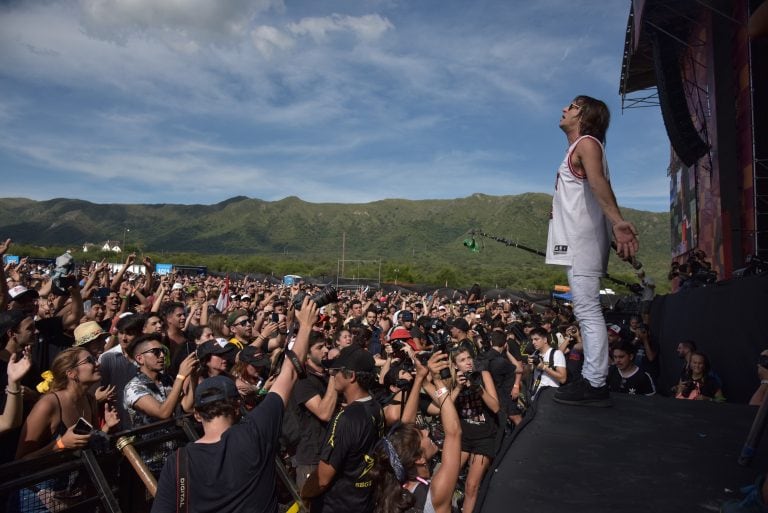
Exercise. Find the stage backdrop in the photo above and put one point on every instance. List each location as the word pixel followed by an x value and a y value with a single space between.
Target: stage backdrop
pixel 729 323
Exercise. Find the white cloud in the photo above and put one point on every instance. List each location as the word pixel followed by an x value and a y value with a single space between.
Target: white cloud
pixel 267 39
pixel 193 19
pixel 368 28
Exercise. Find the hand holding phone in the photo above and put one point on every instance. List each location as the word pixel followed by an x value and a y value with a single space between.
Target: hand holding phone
pixel 82 427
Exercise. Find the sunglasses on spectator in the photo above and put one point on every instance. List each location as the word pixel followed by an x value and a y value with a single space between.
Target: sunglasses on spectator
pixel 157 351
pixel 243 323
pixel 88 359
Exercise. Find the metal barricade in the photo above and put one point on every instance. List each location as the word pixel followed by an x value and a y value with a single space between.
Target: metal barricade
pixel 109 479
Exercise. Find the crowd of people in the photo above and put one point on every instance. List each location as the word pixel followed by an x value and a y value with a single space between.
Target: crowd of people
pixel 360 391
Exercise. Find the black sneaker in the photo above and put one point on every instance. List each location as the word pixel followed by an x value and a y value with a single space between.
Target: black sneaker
pixel 582 393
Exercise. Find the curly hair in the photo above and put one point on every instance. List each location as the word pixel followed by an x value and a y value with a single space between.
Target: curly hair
pixel 388 492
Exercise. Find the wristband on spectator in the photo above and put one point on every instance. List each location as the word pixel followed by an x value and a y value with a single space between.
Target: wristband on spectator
pixel 12 392
pixel 60 444
pixel 182 377
pixel 440 392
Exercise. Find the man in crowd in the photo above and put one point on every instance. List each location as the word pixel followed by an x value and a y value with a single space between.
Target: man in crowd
pixel 175 320
pixel 341 481
pixel 316 398
pixel 460 335
pixel 355 313
pixel 506 372
pixel 626 377
pixel 241 327
pixel 152 395
pixel 116 366
pixel 549 368
pixel 584 217
pixel 231 468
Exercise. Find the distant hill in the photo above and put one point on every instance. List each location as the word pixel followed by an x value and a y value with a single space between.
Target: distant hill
pixel 422 236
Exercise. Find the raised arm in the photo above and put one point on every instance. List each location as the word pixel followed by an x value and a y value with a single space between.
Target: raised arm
pixel 288 374
pixel 119 276
pixel 444 481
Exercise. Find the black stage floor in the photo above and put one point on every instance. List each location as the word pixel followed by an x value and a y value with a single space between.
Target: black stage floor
pixel 645 454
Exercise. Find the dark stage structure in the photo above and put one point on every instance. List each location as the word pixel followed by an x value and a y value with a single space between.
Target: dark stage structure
pixel 704 63
pixel 644 454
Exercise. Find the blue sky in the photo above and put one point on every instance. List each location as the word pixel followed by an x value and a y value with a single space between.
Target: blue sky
pixel 348 101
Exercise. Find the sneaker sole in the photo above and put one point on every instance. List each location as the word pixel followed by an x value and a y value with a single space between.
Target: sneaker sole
pixel 597 403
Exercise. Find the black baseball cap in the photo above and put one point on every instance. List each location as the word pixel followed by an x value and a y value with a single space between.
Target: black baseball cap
pixel 213 389
pixel 254 356
pixel 217 346
pixel 353 358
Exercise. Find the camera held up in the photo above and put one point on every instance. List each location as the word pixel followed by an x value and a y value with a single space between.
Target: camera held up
pixel 325 297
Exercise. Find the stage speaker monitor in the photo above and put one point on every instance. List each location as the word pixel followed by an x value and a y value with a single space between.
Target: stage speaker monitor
pixel 674 110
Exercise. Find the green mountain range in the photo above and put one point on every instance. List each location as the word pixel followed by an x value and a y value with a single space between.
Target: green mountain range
pixel 416 241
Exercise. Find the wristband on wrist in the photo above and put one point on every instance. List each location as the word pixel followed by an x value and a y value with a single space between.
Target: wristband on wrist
pixel 182 377
pixel 60 444
pixel 12 392
pixel 440 392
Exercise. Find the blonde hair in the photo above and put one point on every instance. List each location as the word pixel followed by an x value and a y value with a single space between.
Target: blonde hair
pixel 64 361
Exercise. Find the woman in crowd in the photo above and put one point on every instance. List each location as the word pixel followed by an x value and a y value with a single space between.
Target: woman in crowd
pixel 251 373
pixel 477 403
pixel 218 324
pixel 401 474
pixel 62 419
pixel 702 385
pixel 213 355
pixel 50 425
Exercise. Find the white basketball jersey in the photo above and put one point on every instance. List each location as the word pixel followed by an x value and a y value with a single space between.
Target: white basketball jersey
pixel 579 234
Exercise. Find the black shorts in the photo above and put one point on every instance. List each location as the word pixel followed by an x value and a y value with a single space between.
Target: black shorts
pixel 479 438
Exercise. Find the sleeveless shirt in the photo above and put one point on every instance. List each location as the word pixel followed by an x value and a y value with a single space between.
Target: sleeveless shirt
pixel 579 234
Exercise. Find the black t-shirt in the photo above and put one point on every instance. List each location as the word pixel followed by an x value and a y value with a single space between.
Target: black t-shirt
pixel 503 374
pixel 639 383
pixel 116 369
pixel 349 442
pixel 235 474
pixel 178 353
pixel 51 340
pixel 312 428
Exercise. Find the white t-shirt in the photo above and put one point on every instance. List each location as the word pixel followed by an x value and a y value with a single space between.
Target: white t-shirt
pixel 559 361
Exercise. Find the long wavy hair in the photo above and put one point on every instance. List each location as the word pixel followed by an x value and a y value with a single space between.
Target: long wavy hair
pixel 594 117
pixel 388 492
pixel 64 361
